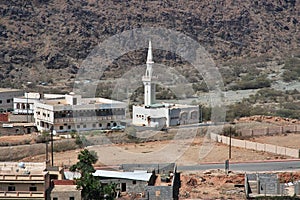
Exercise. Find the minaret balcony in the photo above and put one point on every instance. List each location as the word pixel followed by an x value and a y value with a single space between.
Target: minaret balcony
pixel 146 78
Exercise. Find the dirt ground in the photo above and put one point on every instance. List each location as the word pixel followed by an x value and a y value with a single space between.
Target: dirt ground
pixel 16 138
pixel 160 152
pixel 215 184
pixel 212 184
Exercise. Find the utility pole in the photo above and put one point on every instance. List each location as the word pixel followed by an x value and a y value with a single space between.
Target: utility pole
pixel 201 115
pixel 230 136
pixel 51 132
pixel 230 142
pixel 27 105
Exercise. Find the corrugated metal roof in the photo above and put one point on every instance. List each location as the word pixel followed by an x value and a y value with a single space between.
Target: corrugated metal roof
pixel 137 175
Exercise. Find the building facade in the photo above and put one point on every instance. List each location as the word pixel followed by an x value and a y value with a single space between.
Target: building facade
pixel 76 113
pixel 64 190
pixel 23 181
pixel 6 98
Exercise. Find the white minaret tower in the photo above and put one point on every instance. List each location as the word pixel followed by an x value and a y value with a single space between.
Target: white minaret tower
pixel 149 87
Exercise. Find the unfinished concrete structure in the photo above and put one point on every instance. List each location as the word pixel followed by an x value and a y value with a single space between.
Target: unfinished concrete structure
pixel 262 185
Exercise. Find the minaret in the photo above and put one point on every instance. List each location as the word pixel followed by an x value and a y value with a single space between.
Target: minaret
pixel 149 87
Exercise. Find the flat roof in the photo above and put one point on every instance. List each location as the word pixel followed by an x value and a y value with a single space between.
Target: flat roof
pixel 136 175
pixel 65 188
pixel 168 105
pixel 10 90
pixel 22 167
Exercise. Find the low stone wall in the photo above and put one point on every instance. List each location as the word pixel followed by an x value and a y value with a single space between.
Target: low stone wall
pixel 15 153
pixel 285 151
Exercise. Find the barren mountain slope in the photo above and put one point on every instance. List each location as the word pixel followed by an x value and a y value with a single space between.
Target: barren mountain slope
pixel 46 40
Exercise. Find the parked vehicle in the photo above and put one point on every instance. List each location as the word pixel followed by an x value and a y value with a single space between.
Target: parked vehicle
pixel 118 128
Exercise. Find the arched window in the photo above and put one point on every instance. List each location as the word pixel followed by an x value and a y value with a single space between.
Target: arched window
pixel 18 106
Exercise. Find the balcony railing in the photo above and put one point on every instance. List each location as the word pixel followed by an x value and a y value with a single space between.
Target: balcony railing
pixel 22 194
pixel 89 119
pixel 20 177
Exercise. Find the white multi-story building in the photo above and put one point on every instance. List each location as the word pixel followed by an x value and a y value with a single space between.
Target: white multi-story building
pixel 25 104
pixel 6 98
pixel 152 114
pixel 76 113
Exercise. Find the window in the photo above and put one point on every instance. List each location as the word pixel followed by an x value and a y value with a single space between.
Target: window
pixel 61 127
pixel 123 187
pixel 134 182
pixel 32 188
pixel 84 125
pixel 8 100
pixel 0 101
pixel 71 198
pixel 69 127
pixel 100 125
pixel 78 126
pixel 55 198
pixel 11 188
pixel 94 125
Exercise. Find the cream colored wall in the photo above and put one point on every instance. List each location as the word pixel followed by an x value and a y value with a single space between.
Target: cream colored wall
pixel 22 186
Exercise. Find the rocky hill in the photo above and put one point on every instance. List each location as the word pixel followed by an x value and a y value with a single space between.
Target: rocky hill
pixel 46 40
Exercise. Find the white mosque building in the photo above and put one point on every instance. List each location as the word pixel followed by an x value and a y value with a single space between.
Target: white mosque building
pixel 153 114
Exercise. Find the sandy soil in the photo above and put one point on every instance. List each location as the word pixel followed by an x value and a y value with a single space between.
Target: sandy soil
pixel 183 153
pixel 288 140
pixel 16 138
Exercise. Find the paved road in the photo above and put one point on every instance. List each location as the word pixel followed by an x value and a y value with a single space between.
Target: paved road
pixel 288 165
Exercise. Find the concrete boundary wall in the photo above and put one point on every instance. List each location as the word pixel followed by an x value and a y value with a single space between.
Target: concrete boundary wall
pixel 285 151
pixel 272 130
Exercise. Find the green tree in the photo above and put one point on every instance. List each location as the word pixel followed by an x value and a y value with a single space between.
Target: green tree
pixel 90 186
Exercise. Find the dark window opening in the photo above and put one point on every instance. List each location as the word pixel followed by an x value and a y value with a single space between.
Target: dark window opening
pixel 123 187
pixel 32 188
pixel 11 188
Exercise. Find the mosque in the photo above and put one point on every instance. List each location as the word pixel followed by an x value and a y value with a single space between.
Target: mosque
pixel 153 114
